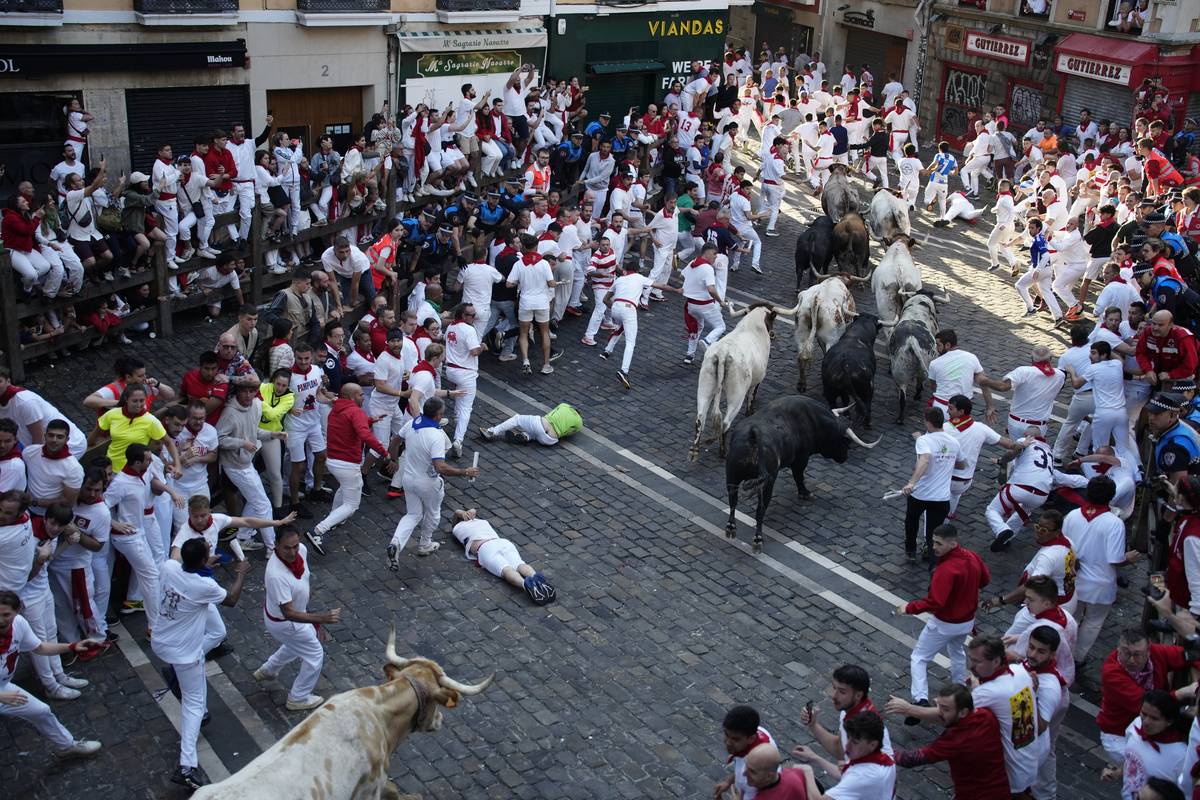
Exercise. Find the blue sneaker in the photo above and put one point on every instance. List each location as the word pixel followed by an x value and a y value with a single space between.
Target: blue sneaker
pixel 224 558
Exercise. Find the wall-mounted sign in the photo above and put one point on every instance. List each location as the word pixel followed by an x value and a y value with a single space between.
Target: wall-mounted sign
pixel 954 37
pixel 686 27
pixel 441 64
pixel 1001 48
pixel 46 59
pixel 1077 14
pixel 1106 71
pixel 775 12
pixel 860 20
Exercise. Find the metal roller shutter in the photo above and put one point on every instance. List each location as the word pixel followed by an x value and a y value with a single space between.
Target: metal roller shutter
pixel 1105 101
pixel 179 115
pixel 776 33
pixel 616 93
pixel 868 48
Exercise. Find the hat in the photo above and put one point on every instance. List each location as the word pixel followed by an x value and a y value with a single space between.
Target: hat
pixel 1175 197
pixel 1184 385
pixel 1147 204
pixel 577 133
pixel 1155 219
pixel 429 215
pixel 1142 267
pixel 395 333
pixel 445 230
pixel 138 177
pixel 605 115
pixel 515 182
pixel 495 193
pixel 622 128
pixel 1166 401
pixel 470 197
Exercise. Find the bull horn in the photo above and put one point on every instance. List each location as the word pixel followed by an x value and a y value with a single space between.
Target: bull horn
pixel 852 436
pixel 392 658
pixel 944 297
pixel 786 312
pixel 906 295
pixel 733 313
pixel 837 412
pixel 890 323
pixel 466 689
pixel 856 279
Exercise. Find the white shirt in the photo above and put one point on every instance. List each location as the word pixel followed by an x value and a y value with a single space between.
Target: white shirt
pixel 1098 545
pixel 865 782
pixel 1011 698
pixel 1080 359
pixel 80 210
pixel 305 387
pixel 1023 625
pixel 1070 246
pixel 22 641
pixel 96 521
pixel 17 546
pixel 1143 761
pixel 470 530
pixel 900 120
pixel 514 99
pixel 206 441
pixel 1033 392
pixel 954 372
pixel 1117 295
pixel 477 280
pixel 12 473
pixel 697 277
pixel 216 524
pixel 48 476
pixel 890 90
pixel 162 170
pixel 942 449
pixel 183 601
pixel 461 339
pixel 739 207
pixel 1107 379
pixel 281 586
pixel 630 287
pixel 533 283
pixel 389 370
pixel 688 127
pixel 1033 466
pixel 243 158
pixel 356 261
pixel 129 496
pixel 970 441
pixel 61 170
pixel 466 110
pixel 425 444
pixel 773 168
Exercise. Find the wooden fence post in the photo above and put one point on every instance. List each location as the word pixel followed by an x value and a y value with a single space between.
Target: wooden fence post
pixel 12 324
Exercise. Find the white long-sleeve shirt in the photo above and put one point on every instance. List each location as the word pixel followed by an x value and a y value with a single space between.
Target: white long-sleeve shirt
pixel 1071 247
pixel 161 170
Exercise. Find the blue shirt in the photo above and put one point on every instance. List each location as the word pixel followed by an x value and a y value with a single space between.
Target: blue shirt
pixel 569 153
pixel 1038 250
pixel 595 130
pixel 842 139
pixel 943 163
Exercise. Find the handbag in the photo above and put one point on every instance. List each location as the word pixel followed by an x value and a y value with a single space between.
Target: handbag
pixel 197 206
pixel 110 220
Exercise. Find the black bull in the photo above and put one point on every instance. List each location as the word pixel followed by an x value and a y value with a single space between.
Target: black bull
pixel 848 369
pixel 814 250
pixel 784 433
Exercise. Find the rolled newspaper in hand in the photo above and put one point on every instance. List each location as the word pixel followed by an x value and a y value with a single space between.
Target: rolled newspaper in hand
pixel 893 495
pixel 236 547
pixel 475 463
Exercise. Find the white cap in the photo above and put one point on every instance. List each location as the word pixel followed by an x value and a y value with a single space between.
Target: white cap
pixel 138 177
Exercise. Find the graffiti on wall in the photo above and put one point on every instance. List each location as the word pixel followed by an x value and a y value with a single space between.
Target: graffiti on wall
pixel 1025 106
pixel 965 88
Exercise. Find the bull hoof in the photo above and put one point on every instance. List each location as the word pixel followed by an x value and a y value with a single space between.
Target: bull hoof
pixel 731 531
pixel 756 546
pixel 801 388
pixel 693 454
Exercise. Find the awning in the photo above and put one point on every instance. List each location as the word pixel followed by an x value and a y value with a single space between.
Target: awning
pixel 608 67
pixel 470 40
pixel 1121 62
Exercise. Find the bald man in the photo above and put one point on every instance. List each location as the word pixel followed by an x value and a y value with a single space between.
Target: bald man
pixel 232 364
pixel 349 430
pixel 1033 391
pixel 763 773
pixel 1165 351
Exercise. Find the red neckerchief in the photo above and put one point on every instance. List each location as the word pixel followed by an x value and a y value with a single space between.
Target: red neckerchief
pixel 962 423
pixel 1102 468
pixel 420 333
pixel 1119 279
pixel 666 214
pixel 457 321
pixel 547 237
pixel 1045 367
pixel 141 476
pixel 1051 668
pixel 39 530
pixel 9 393
pixel 14 453
pixel 1009 194
pixel 700 260
pixel 531 258
pixel 744 194
pixel 64 452
pixel 1090 512
pixel 1105 223
pixel 1169 736
pixel 277 342
pixel 505 251
pixel 424 366
pixel 759 738
pixel 1055 615
pixel 301 371
pixel 1058 540
pixel 164 160
pixel 878 757
pixel 865 705
pixel 206 527
pixel 132 416
pixel 356 147
pixel 296 567
pixel 366 354
pixel 1005 670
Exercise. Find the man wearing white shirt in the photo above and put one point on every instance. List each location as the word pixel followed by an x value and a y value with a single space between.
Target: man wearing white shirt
pixel 701 303
pixel 664 233
pixel 687 128
pixel 773 167
pixel 623 298
pixel 68 166
pixel 1118 293
pixel 130 497
pixel 596 174
pixel 242 150
pixel 928 490
pixel 954 371
pixel 891 90
pixel 462 367
pixel 742 218
pixel 352 269
pixel 819 173
pixel 1087 129
pixel 810 140
pixel 981 158
pixel 971 436
pixel 900 118
pixel 1005 228
pixel 164 170
pixel 568 267
pixel 1071 263
pixel 535 280
pixel 1033 390
pixel 53 474
pixel 475 281
pixel 1082 403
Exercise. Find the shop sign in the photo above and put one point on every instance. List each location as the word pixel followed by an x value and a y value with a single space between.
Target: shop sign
pixel 51 59
pixel 775 12
pixel 954 37
pixel 1001 48
pixel 686 27
pixel 1079 15
pixel 436 65
pixel 859 19
pixel 1095 69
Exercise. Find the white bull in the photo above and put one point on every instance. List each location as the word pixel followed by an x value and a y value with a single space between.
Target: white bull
pixel 823 312
pixel 839 196
pixel 911 344
pixel 887 217
pixel 897 273
pixel 734 366
pixel 342 749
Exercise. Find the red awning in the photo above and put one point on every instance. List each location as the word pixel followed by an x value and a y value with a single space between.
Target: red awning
pixel 1123 51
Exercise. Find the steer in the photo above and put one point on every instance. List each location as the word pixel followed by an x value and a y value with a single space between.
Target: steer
pixel 839 196
pixel 911 343
pixel 897 273
pixel 813 251
pixel 735 365
pixel 887 217
pixel 848 371
pixel 784 433
pixel 822 314
pixel 342 749
pixel 852 246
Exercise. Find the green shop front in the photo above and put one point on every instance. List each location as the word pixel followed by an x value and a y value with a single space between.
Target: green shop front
pixel 630 59
pixel 434 64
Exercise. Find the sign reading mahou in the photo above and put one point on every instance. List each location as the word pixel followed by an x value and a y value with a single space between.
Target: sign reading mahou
pixel 1002 48
pixel 49 59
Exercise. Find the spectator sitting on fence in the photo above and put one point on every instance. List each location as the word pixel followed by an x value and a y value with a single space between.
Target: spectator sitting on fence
pixel 135 219
pixel 222 273
pixel 102 319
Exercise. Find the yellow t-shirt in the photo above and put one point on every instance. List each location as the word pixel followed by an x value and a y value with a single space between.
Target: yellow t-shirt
pixel 124 431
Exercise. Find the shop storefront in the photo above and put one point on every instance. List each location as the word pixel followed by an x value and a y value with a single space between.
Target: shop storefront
pixel 1101 74
pixel 781 27
pixel 435 64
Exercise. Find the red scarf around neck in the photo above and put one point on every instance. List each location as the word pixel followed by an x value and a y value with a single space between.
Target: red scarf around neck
pixel 1090 512
pixel 878 757
pixel 963 422
pixel 296 567
pixel 9 393
pixel 759 738
pixel 1169 736
pixel 15 453
pixel 65 452
pixel 1045 367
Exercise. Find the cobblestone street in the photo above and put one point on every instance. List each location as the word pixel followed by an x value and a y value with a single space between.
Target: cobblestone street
pixel 661 624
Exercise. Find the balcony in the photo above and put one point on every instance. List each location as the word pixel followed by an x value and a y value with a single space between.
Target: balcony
pixel 475 11
pixel 343 13
pixel 185 12
pixel 38 13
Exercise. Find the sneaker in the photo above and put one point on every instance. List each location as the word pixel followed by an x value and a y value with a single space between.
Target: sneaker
pixel 770 232
pixel 277 269
pixel 204 252
pixel 227 534
pixel 1073 313
pixel 393 493
pixel 911 556
pixel 526 369
pixel 301 511
pixel 530 585
pixel 623 378
pixel 589 341
pixel 912 721
pixel 321 495
pixel 123 339
pixel 60 692
pixel 544 589
pixel 312 701
pixel 574 311
pixel 132 606
pixel 516 437
pixel 108 276
pixel 111 637
pixel 251 544
pixel 189 777
pixel 547 369
pixel 993 268
pixel 168 674
pixel 688 358
pixel 701 346
pixel 605 354
pixel 507 357
pixel 555 355
pixel 80 747
pixel 428 549
pixel 940 223
pixel 1015 271
pixel 1002 542
pixel 487 434
pixel 1030 313
pixel 756 268
pixel 393 557
pixel 1062 322
pixel 71 683
pixel 260 675
pixel 187 255
pixel 316 540
pixel 456 449
pixel 607 326
pixel 207 718
pixel 658 298
pixel 123 272
pixel 223 649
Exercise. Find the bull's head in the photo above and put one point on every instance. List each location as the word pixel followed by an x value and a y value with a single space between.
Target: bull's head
pixel 909 241
pixel 429 683
pixel 838 447
pixel 942 297
pixel 771 311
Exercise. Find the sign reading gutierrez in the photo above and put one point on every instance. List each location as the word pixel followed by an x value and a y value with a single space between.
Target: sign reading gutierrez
pixel 1106 71
pixel 442 64
pixel 999 47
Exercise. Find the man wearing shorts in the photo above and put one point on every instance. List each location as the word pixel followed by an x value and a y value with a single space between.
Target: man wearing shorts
pixel 498 556
pixel 535 282
pixel 304 424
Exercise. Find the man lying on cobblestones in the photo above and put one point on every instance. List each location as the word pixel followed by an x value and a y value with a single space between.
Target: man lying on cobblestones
pixel 498 556
pixel 562 421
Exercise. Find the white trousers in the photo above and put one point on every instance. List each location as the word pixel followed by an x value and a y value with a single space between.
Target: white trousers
pixel 751 236
pixel 250 485
pixel 294 212
pixel 909 191
pixel 424 501
pixel 707 315
pixel 483 314
pixel 73 626
pixel 961 207
pixel 39 715
pixel 564 277
pixel 136 549
pixel 1109 424
pixel 598 203
pixel 1001 234
pixel 38 611
pixel 1011 507
pixel 971 172
pixel 625 317
pixel 1091 618
pixel 1042 278
pixel 170 216
pixel 348 496
pixel 31 267
pixel 773 194
pixel 664 262
pixel 957 490
pixel 1082 405
pixel 1137 393
pixel 530 424
pixel 1046 785
pixel 721 268
pixel 297 640
pixel 193 689
pixel 1068 274
pixel 207 224
pixel 935 637
pixel 464 380
pixel 937 190
pixel 879 164
pixel 71 267
pixel 102 562
pixel 321 207
pixel 244 192
pixel 600 312
pixel 578 278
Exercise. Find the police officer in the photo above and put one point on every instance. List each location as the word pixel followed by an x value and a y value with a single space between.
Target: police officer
pixel 514 196
pixel 437 250
pixel 1190 413
pixel 415 231
pixel 594 132
pixel 565 162
pixel 622 142
pixel 1171 294
pixel 1177 445
pixel 489 217
pixel 456 215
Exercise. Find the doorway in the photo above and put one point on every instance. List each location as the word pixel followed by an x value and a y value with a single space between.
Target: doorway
pixel 310 112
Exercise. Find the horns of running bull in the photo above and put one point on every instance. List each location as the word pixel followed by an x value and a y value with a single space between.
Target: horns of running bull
pixel 466 688
pixel 785 312
pixel 837 412
pixel 856 279
pixel 852 436
pixel 907 295
pixel 392 658
pixel 733 313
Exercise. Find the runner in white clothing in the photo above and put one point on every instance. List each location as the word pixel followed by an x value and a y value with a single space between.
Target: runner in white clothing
pixel 702 304
pixel 743 219
pixel 955 371
pixel 1004 229
pixel 498 555
pixel 664 233
pixel 462 368
pixel 1033 391
pixel 971 436
pixel 1027 487
pixel 623 299
pixel 773 167
pixel 475 281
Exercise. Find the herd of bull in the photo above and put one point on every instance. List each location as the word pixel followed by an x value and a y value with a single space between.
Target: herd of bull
pixel 789 431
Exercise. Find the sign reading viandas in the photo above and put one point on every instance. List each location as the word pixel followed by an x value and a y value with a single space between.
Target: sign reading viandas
pixel 436 65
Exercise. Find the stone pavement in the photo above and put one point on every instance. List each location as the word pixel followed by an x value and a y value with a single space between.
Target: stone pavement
pixel 661 623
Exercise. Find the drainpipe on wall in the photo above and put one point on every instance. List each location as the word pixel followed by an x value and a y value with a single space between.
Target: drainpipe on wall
pixel 922 17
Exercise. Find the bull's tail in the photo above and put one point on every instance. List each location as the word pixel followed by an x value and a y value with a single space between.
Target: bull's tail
pixel 755 483
pixel 718 421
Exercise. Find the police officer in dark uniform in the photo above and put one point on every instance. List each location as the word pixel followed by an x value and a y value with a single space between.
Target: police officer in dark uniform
pixel 456 215
pixel 489 217
pixel 514 196
pixel 1177 444
pixel 1190 413
pixel 415 231
pixel 594 132
pixel 1170 294
pixel 565 162
pixel 622 142
pixel 437 252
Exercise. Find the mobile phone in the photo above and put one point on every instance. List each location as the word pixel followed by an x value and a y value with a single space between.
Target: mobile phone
pixel 270 112
pixel 808 708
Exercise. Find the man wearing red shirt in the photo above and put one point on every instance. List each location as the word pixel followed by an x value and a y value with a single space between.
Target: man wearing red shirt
pixel 219 164
pixel 772 783
pixel 958 575
pixel 384 321
pixel 971 745
pixel 206 384
pixel 1165 351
